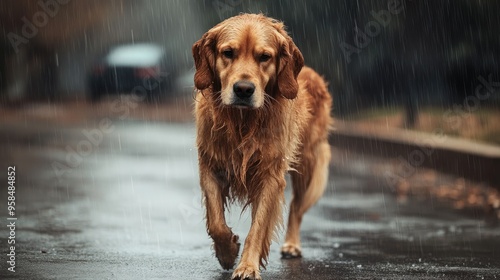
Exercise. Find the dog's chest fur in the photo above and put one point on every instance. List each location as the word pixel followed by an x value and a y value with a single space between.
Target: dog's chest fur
pixel 244 147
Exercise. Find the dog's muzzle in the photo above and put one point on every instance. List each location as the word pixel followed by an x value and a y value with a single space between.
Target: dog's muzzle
pixel 243 92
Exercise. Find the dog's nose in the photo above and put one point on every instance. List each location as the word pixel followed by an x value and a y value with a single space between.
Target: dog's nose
pixel 243 89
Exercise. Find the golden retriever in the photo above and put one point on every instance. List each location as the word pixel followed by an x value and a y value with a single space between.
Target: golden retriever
pixel 259 114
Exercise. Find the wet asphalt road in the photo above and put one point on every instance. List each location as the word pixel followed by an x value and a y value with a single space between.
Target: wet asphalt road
pixel 127 206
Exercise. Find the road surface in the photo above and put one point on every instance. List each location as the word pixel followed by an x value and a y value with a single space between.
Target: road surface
pixel 119 199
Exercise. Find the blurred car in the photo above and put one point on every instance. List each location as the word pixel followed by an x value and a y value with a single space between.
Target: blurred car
pixel 184 83
pixel 138 69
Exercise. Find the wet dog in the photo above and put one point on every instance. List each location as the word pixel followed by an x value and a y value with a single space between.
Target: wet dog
pixel 259 114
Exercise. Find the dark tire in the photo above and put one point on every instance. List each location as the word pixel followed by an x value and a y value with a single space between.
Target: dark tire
pixel 95 96
pixel 156 95
pixel 153 97
pixel 94 90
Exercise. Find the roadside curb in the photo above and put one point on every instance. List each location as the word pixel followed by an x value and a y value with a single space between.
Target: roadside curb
pixel 471 160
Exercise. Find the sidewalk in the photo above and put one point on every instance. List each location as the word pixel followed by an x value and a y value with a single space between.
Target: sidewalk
pixel 467 159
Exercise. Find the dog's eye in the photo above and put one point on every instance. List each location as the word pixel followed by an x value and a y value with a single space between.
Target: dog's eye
pixel 228 54
pixel 264 57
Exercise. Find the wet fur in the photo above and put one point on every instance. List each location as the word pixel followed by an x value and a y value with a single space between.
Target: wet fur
pixel 245 153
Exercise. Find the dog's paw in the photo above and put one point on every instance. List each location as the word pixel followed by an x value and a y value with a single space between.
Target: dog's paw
pixel 227 251
pixel 290 251
pixel 246 272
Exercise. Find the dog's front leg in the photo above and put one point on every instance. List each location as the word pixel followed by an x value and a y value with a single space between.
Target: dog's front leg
pixel 226 244
pixel 266 216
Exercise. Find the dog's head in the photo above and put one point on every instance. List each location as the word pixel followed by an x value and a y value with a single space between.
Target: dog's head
pixel 246 58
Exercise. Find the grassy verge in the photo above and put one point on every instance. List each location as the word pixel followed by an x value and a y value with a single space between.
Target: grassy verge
pixel 482 125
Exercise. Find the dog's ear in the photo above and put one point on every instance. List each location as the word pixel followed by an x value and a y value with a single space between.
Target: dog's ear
pixel 291 62
pixel 204 59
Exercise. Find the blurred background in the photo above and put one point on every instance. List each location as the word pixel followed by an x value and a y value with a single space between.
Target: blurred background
pixel 403 66
pixel 96 101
